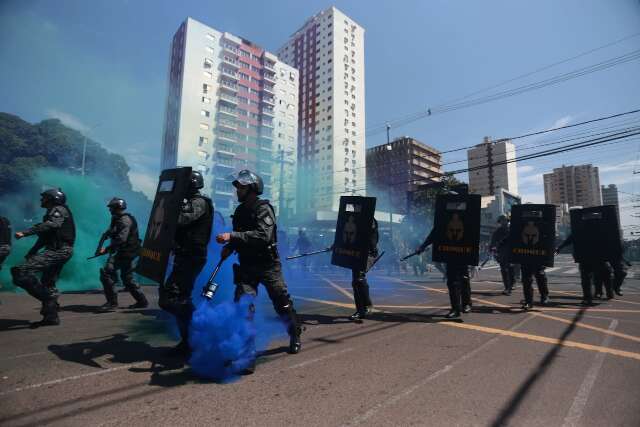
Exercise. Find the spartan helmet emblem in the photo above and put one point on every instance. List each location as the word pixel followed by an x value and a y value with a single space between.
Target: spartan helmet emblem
pixel 156 221
pixel 349 230
pixel 455 228
pixel 530 234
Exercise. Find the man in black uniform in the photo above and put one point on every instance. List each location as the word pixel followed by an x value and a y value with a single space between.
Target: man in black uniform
pixel 458 283
pixel 529 271
pixel 359 282
pixel 588 271
pixel 190 255
pixel 56 234
pixel 123 249
pixel 254 239
pixel 619 266
pixel 5 239
pixel 500 247
pixel 303 245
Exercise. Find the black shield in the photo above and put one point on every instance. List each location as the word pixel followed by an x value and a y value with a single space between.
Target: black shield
pixel 532 234
pixel 596 233
pixel 161 230
pixel 457 229
pixel 353 232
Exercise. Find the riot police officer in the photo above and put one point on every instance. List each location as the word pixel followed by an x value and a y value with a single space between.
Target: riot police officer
pixel 56 234
pixel 619 266
pixel 500 248
pixel 5 239
pixel 123 249
pixel 359 283
pixel 588 272
pixel 254 239
pixel 458 283
pixel 190 255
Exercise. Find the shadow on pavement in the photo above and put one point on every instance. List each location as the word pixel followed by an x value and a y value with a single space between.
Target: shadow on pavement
pixel 13 324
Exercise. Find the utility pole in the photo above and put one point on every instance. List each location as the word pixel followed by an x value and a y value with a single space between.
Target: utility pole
pixel 281 197
pixel 390 189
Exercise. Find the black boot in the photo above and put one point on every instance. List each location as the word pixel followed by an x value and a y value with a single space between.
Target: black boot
pixel 50 314
pixel 453 314
pixel 294 330
pixel 141 300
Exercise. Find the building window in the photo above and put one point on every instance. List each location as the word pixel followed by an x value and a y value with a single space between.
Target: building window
pixel 204 126
pixel 208 64
pixel 211 37
pixel 209 49
pixel 206 100
pixel 205 113
pixel 202 140
pixel 207 74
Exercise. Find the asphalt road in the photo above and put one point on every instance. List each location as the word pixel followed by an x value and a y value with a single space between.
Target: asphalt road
pixel 559 365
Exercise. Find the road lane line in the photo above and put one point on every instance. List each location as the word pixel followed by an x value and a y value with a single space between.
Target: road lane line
pixel 339 289
pixel 546 340
pixel 580 401
pixel 579 324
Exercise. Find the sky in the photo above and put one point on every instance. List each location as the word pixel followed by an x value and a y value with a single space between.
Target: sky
pixel 101 67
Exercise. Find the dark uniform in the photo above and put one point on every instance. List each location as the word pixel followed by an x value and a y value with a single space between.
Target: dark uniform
pixel 5 239
pixel 602 277
pixel 56 234
pixel 190 255
pixel 588 271
pixel 458 283
pixel 123 249
pixel 359 282
pixel 303 245
pixel 529 271
pixel 499 244
pixel 619 273
pixel 254 238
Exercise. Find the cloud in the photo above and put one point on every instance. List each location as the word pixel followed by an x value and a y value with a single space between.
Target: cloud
pixel 144 182
pixel 68 119
pixel 618 167
pixel 532 197
pixel 525 168
pixel 562 121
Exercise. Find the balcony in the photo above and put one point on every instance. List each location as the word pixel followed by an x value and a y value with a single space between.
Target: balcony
pixel 222 153
pixel 269 89
pixel 269 100
pixel 226 136
pixel 229 98
pixel 225 168
pixel 230 61
pixel 267 123
pixel 268 65
pixel 224 111
pixel 224 124
pixel 267 111
pixel 228 47
pixel 229 73
pixel 270 77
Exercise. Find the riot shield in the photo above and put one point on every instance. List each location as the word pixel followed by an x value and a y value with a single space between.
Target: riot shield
pixel 161 229
pixel 596 233
pixel 457 229
pixel 353 232
pixel 532 234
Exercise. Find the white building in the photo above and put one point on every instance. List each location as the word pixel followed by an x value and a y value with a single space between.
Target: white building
pixel 231 105
pixel 496 167
pixel 328 50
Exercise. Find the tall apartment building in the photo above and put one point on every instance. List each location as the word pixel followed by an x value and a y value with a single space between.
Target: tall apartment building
pixel 610 197
pixel 573 185
pixel 328 50
pixel 231 105
pixel 496 168
pixel 394 170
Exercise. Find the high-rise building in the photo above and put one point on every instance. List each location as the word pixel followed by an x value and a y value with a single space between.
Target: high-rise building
pixel 231 105
pixel 496 167
pixel 394 170
pixel 573 185
pixel 610 197
pixel 329 52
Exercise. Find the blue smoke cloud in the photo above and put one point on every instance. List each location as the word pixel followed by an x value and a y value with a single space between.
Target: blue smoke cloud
pixel 221 331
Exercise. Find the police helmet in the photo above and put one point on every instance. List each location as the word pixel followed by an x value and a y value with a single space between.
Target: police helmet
pixel 117 203
pixel 246 177
pixel 197 181
pixel 54 196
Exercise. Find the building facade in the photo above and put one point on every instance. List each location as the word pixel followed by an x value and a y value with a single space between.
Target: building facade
pixel 573 185
pixel 231 105
pixel 610 197
pixel 492 166
pixel 396 170
pixel 328 50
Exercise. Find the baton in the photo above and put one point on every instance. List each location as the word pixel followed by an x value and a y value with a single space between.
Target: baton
pixel 96 256
pixel 210 288
pixel 308 253
pixel 375 261
pixel 410 255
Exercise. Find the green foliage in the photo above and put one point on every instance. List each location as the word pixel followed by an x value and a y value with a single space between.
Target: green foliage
pixel 49 154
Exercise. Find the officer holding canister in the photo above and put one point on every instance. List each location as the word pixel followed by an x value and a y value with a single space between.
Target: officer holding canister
pixel 254 239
